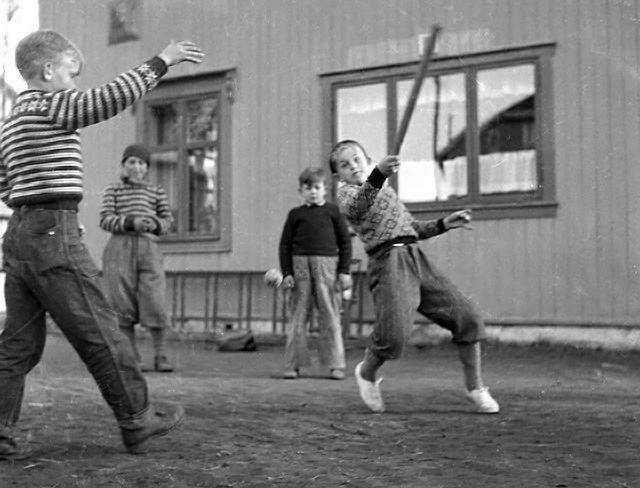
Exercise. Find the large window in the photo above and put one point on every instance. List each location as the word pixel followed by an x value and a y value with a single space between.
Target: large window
pixel 481 134
pixel 186 126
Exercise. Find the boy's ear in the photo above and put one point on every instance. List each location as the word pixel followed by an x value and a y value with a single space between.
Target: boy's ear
pixel 47 71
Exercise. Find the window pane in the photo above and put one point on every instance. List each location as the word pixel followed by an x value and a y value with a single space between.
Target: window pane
pixel 203 191
pixel 506 117
pixel 434 151
pixel 164 172
pixel 164 126
pixel 203 119
pixel 362 116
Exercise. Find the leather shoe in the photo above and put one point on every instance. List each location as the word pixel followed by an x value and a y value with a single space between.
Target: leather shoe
pixel 161 423
pixel 9 451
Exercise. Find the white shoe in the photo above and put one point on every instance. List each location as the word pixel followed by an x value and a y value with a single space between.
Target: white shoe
pixel 483 400
pixel 369 391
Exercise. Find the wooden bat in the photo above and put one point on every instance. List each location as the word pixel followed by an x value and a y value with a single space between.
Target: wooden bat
pixel 415 90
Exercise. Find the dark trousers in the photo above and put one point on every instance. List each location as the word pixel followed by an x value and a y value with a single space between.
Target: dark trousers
pixel 49 269
pixel 402 282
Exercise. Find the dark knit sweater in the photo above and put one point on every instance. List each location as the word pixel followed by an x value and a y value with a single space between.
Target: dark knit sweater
pixel 40 153
pixel 315 231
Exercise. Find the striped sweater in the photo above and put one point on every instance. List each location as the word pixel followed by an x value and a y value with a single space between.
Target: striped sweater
pixel 40 153
pixel 123 201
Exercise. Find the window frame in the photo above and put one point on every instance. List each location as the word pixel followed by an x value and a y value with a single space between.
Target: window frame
pixel 182 89
pixel 540 203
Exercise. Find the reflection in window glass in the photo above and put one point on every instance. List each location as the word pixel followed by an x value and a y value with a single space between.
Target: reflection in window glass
pixel 362 116
pixel 506 118
pixel 164 128
pixel 203 191
pixel 164 172
pixel 203 119
pixel 434 151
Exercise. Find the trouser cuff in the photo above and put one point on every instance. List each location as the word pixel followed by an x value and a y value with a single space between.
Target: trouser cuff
pixel 138 420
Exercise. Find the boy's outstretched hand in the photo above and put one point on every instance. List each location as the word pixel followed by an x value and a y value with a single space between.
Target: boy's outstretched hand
pixel 389 165
pixel 458 219
pixel 178 52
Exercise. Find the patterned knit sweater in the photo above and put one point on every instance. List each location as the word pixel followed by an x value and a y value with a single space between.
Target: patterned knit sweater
pixel 378 215
pixel 40 153
pixel 124 201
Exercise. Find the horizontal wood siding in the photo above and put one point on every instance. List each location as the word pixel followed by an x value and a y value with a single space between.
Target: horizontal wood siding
pixel 582 265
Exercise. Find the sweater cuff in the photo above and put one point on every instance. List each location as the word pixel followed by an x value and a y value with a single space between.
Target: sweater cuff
pixel 128 223
pixel 158 65
pixel 376 178
pixel 440 226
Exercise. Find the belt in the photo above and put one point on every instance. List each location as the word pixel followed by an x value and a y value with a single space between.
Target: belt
pixel 398 241
pixel 66 204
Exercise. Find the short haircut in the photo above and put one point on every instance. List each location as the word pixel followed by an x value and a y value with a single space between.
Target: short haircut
pixel 310 176
pixel 339 147
pixel 41 47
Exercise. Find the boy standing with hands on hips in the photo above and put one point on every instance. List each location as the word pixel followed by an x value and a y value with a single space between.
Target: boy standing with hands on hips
pixel 48 267
pixel 402 280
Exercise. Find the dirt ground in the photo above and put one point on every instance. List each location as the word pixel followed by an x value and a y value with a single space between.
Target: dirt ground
pixel 569 419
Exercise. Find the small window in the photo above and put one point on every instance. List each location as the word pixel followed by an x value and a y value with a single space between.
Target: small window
pixel 187 126
pixel 476 137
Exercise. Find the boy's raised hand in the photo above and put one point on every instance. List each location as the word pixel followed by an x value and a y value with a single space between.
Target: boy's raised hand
pixel 457 219
pixel 178 52
pixel 389 165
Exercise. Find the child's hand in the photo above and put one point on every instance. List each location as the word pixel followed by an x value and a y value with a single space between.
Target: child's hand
pixel 151 225
pixel 288 283
pixel 458 219
pixel 389 165
pixel 178 52
pixel 143 224
pixel 345 281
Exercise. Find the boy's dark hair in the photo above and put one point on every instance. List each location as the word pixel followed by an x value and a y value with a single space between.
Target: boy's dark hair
pixel 339 147
pixel 310 176
pixel 39 48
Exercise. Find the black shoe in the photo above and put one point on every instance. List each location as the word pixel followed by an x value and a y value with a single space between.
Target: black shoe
pixel 9 451
pixel 161 364
pixel 160 424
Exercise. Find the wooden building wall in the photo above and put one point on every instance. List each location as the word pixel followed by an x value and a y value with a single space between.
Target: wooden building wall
pixel 579 267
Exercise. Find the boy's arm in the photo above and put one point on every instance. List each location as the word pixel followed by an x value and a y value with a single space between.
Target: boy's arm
pixel 344 243
pixel 356 201
pixel 163 217
pixel 110 221
pixel 4 186
pixel 72 109
pixel 429 228
pixel 285 248
pixel 432 228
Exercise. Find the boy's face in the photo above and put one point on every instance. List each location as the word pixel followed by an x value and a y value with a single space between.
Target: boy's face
pixel 135 168
pixel 352 165
pixel 62 74
pixel 315 193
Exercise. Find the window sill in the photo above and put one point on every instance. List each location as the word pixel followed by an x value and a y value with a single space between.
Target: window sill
pixel 193 245
pixel 494 211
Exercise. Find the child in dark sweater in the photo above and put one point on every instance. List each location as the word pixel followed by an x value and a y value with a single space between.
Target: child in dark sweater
pixel 315 254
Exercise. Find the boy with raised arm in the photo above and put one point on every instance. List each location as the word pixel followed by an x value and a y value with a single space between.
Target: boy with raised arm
pixel 48 268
